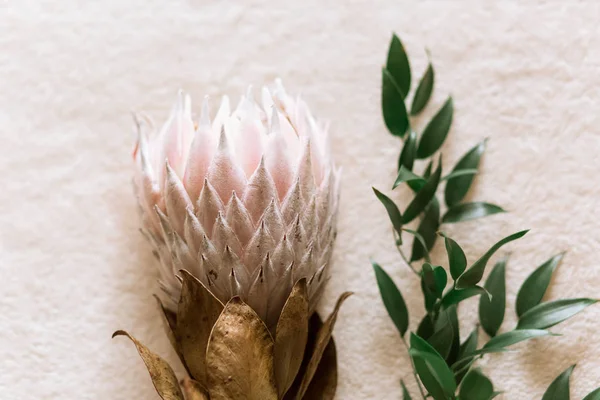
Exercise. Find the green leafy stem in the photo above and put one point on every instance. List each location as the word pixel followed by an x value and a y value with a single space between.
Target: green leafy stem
pixel 443 366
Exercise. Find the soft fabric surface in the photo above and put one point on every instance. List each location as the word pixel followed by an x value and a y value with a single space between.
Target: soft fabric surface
pixel 74 267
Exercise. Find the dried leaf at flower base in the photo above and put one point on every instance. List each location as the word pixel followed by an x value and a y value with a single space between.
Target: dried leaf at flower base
pixel 164 379
pixel 197 312
pixel 321 342
pixel 193 390
pixel 326 382
pixel 291 337
pixel 170 325
pixel 239 356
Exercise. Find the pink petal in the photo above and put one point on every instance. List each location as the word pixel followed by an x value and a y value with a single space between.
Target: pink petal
pixel 277 159
pixel 201 153
pixel 176 200
pixel 259 192
pixel 208 207
pixel 258 247
pixel 239 219
pixel 224 173
pixel 223 236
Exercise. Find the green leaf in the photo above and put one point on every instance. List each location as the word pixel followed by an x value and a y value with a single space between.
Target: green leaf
pixel 392 299
pixel 428 231
pixel 424 90
pixel 420 239
pixel 409 151
pixel 533 289
pixel 441 279
pixel 406 175
pixel 452 313
pixel 546 315
pixel 457 188
pixel 465 350
pixel 473 275
pixel 405 394
pixel 462 367
pixel 392 105
pixel 595 395
pixel 455 296
pixel 470 344
pixel 491 312
pixel 425 329
pixel 435 279
pixel 436 131
pixel 398 65
pixel 392 210
pixel 559 388
pixel 443 335
pixel 469 211
pixel 456 257
pixel 423 196
pixel 510 338
pixel 460 172
pixel 427 171
pixel 476 386
pixel 428 286
pixel 432 369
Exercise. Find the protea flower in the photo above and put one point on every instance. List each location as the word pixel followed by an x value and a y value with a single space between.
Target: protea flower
pixel 241 212
pixel 247 203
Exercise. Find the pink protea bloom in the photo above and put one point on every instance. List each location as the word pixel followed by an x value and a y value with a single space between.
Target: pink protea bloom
pixel 246 202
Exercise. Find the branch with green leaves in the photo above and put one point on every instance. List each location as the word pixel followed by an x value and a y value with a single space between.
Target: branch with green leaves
pixel 443 366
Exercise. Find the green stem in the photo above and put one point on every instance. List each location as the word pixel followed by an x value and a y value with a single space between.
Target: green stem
pixel 407 262
pixel 404 256
pixel 414 370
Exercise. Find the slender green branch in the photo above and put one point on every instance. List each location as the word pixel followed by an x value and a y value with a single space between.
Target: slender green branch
pixel 407 262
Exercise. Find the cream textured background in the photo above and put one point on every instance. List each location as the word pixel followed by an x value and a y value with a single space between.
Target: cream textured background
pixel 74 268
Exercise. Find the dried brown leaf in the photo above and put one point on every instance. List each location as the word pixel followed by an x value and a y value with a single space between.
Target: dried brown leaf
pixel 324 383
pixel 322 340
pixel 169 320
pixel 193 390
pixel 197 312
pixel 317 388
pixel 239 356
pixel 291 336
pixel 163 377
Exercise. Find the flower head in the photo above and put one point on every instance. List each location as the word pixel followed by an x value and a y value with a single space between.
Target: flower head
pixel 247 202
